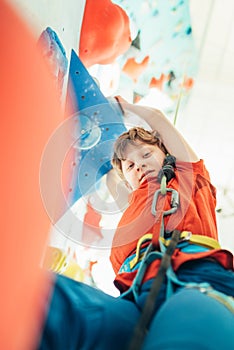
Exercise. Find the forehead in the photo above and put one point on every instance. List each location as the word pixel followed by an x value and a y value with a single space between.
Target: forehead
pixel 137 148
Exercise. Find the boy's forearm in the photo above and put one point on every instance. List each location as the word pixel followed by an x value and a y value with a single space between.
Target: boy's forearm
pixel 171 137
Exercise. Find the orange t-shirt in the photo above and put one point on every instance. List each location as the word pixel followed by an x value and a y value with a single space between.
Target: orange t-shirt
pixel 195 213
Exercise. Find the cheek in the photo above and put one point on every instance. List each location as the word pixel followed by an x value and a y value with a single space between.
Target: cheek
pixel 157 161
pixel 130 179
pixel 128 176
pixel 124 173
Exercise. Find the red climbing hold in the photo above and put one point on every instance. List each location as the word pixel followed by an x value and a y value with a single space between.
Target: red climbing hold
pixel 105 33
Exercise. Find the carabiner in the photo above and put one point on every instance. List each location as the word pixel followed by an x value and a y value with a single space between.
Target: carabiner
pixel 174 201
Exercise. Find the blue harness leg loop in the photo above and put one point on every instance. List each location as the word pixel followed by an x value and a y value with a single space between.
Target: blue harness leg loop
pixel 148 258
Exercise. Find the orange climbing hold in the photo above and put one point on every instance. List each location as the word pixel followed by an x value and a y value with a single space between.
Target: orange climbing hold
pixel 188 83
pixel 134 69
pixel 157 83
pixel 91 228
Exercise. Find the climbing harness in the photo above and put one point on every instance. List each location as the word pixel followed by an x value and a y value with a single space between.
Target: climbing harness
pixel 150 254
pixel 189 243
pixel 185 241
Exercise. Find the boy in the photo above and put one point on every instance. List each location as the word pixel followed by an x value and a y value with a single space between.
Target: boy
pixel 87 318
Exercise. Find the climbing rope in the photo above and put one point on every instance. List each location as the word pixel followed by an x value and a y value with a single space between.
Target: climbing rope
pixel 148 310
pixel 167 172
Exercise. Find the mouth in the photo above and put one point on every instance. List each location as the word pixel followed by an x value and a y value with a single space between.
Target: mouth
pixel 145 175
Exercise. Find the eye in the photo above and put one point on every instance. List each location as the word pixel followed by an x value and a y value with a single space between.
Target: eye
pixel 147 154
pixel 130 166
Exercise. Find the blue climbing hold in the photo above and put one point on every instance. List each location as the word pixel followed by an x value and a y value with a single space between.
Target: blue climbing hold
pixel 98 121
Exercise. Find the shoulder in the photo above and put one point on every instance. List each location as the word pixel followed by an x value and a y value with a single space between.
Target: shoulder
pixel 197 167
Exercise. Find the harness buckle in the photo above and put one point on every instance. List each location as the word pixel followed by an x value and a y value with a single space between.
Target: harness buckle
pixel 185 236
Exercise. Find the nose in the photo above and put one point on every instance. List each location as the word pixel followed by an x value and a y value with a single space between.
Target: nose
pixel 140 166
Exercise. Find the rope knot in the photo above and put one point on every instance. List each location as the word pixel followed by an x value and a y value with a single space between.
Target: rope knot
pixel 168 168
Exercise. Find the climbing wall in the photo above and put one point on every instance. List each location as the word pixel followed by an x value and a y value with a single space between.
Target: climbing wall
pixel 92 57
pixel 162 62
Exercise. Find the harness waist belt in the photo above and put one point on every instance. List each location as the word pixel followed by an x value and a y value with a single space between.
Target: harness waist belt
pixel 188 243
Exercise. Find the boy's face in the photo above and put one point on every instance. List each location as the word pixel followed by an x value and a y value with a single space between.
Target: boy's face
pixel 142 161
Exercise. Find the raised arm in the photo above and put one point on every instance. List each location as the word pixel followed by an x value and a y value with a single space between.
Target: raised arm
pixel 172 138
